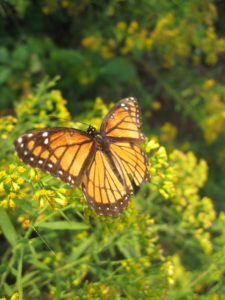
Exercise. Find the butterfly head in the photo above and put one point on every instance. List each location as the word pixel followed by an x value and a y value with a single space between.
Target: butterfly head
pixel 91 130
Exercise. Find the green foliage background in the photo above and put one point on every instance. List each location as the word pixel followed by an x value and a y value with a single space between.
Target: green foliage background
pixel 73 60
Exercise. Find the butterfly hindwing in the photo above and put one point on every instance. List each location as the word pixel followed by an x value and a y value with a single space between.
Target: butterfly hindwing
pixel 123 121
pixel 63 152
pixel 104 188
pixel 130 159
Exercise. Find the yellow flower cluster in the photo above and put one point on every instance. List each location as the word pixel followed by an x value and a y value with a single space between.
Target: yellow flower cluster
pixel 91 43
pixel 15 296
pixel 168 133
pixel 197 214
pixel 213 122
pixel 72 8
pixel 7 125
pixel 181 276
pixel 160 170
pixel 178 178
pixel 10 185
pixel 168 268
pixel 40 106
pixel 52 197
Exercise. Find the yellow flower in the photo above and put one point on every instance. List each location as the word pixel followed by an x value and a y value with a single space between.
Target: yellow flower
pixel 209 83
pixel 121 25
pixel 84 80
pixel 2 173
pixel 46 10
pixel 12 167
pixel 132 27
pixel 156 105
pixel 14 296
pixel 128 46
pixel 152 145
pixel 90 42
pixel 149 43
pixel 2 190
pixel 21 169
pixel 65 3
pixel 20 181
pixel 169 132
pixel 106 52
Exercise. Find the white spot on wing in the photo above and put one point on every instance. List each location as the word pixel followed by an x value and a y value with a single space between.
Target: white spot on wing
pixel 19 140
pixel 50 165
pixel 40 161
pixel 46 141
pixel 31 158
pixel 30 135
pixel 45 134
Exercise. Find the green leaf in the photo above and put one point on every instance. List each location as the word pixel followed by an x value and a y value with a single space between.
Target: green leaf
pixel 7 227
pixel 20 57
pixel 120 70
pixel 81 249
pixel 19 274
pixel 4 74
pixel 4 55
pixel 67 57
pixel 63 225
pixel 20 5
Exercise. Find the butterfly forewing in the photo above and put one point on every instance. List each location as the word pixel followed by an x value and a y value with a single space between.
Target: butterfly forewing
pixel 123 121
pixel 63 152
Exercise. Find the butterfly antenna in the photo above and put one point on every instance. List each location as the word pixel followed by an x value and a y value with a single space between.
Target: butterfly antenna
pixel 43 240
pixel 67 120
pixel 81 123
pixel 59 118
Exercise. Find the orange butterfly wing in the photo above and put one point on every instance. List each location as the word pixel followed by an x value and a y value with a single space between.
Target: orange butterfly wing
pixel 63 152
pixel 107 183
pixel 130 159
pixel 123 121
pixel 104 188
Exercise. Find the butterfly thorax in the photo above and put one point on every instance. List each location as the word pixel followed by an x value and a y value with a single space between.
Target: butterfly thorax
pixel 101 142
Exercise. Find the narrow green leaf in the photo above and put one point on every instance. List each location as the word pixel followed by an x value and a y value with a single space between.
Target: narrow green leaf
pixel 81 249
pixel 62 225
pixel 7 227
pixel 19 275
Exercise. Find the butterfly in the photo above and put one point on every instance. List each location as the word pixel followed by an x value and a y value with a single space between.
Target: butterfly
pixel 105 163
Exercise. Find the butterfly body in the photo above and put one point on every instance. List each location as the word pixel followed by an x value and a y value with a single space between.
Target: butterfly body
pixel 102 161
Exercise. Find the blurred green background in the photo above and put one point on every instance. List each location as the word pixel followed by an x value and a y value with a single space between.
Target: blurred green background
pixel 170 55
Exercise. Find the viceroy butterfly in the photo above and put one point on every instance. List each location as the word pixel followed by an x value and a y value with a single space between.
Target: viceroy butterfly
pixel 102 162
